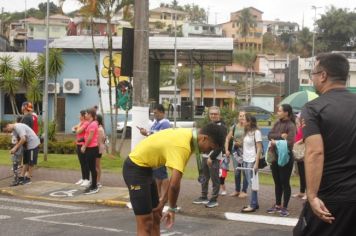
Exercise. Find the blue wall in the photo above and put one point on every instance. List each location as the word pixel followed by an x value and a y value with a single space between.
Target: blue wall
pixel 80 65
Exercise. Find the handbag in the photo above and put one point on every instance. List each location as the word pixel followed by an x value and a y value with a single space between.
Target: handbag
pixel 261 161
pixel 270 154
pixel 299 151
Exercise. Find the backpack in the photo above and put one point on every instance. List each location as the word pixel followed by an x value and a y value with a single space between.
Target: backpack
pixel 35 123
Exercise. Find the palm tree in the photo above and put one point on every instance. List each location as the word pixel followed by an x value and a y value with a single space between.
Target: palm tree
pixel 55 67
pixel 6 64
pixel 27 70
pixel 10 84
pixel 34 93
pixel 245 22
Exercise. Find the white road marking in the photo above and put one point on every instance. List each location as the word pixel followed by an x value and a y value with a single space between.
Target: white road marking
pixel 4 217
pixel 40 219
pixel 23 209
pixel 37 203
pixel 170 233
pixel 68 193
pixel 271 220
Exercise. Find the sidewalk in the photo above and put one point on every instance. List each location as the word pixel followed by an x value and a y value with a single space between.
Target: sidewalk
pixel 57 185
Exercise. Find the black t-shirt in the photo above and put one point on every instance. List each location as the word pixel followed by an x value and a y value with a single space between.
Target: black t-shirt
pixel 333 116
pixel 28 120
pixel 217 152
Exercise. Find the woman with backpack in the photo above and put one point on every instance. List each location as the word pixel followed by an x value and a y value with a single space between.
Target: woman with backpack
pixel 233 149
pixel 252 150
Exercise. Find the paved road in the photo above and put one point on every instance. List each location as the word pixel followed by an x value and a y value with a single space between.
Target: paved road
pixel 25 217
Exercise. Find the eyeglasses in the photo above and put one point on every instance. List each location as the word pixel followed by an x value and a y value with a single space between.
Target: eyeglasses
pixel 311 73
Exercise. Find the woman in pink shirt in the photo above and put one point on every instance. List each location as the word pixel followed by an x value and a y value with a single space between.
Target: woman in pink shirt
pixel 79 129
pixel 300 164
pixel 90 148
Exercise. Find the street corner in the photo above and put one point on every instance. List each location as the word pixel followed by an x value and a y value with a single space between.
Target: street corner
pixel 67 192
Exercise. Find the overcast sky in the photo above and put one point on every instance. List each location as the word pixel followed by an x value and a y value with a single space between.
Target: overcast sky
pixel 219 10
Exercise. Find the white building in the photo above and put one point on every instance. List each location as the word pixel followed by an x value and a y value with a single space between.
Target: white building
pixel 201 30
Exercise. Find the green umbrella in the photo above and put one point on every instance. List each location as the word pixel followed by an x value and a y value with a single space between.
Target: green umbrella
pixel 298 99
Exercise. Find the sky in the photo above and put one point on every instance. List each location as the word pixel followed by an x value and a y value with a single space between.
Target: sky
pixel 219 11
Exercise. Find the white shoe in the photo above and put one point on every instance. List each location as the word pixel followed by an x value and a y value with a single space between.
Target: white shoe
pixel 223 193
pixel 99 185
pixel 85 183
pixel 79 181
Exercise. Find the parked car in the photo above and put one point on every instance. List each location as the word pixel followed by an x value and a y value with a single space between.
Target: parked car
pixel 258 112
pixel 179 124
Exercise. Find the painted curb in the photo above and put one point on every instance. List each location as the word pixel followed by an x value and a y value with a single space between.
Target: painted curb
pixel 113 203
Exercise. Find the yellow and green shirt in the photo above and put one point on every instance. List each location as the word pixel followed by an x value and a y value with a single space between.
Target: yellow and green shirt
pixel 169 147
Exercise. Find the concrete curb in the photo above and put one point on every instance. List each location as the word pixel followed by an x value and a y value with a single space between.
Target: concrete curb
pixel 113 203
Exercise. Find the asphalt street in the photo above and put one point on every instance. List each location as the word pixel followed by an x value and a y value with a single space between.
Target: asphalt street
pixel 30 217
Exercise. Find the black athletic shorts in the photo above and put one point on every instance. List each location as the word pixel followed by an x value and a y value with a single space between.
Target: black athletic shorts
pixel 30 157
pixel 142 187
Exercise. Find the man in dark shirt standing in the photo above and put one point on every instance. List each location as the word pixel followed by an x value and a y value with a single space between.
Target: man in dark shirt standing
pixel 329 130
pixel 211 166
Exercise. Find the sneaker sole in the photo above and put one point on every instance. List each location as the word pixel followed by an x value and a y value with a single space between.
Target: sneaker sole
pixel 92 192
pixel 200 203
pixel 212 206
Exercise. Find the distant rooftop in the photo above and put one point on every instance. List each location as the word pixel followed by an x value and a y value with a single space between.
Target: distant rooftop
pixel 200 50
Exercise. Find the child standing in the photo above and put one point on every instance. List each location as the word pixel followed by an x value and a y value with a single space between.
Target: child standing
pixel 16 157
pixel 224 168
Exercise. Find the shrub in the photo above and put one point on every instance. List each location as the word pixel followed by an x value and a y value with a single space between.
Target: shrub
pixel 5 142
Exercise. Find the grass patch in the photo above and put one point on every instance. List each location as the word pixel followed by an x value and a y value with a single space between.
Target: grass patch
pixel 70 162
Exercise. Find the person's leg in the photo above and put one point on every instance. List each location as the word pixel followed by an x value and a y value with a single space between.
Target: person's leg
pixel 98 169
pixel 206 174
pixel 90 154
pixel 284 174
pixel 277 183
pixel 301 171
pixel 215 179
pixel 237 176
pixel 222 186
pixel 82 162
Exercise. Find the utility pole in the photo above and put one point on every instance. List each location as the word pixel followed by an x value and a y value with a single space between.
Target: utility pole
pixel 140 68
pixel 140 109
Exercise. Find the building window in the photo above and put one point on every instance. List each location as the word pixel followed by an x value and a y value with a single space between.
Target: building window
pixel 196 27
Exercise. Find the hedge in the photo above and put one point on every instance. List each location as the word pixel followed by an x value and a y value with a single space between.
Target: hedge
pixel 58 147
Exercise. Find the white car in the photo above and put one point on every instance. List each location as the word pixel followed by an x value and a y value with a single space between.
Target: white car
pixel 179 124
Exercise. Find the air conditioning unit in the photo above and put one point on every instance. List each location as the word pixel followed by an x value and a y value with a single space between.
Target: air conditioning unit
pixel 53 87
pixel 71 86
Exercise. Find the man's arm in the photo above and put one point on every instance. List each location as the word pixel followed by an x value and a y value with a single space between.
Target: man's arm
pixel 18 144
pixel 173 192
pixel 314 164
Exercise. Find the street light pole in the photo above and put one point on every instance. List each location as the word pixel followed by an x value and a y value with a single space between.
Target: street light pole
pixel 45 96
pixel 175 71
pixel 313 49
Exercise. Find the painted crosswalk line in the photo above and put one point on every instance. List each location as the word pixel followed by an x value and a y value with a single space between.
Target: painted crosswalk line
pixel 271 220
pixel 38 203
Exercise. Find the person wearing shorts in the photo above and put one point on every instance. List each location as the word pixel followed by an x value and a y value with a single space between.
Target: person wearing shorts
pixel 160 123
pixel 30 141
pixel 159 150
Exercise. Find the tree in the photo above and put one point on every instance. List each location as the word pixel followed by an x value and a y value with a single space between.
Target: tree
pixel 246 22
pixel 10 85
pixel 53 9
pixel 34 93
pixel 337 29
pixel 6 64
pixel 304 43
pixel 27 70
pixel 195 13
pixel 55 67
pixel 247 59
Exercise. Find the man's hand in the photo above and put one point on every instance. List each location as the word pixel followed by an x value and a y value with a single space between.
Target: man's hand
pixel 143 131
pixel 159 208
pixel 320 210
pixel 169 217
pixel 227 153
pixel 238 143
pixel 13 150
